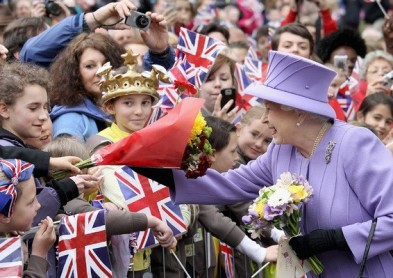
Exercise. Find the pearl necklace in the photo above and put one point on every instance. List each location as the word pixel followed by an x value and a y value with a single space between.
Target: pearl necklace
pixel 319 137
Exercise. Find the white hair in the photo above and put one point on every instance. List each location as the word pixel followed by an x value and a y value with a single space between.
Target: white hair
pixel 371 57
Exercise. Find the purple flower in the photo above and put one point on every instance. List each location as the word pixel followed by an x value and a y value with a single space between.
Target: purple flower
pixel 258 224
pixel 246 219
pixel 253 213
pixel 301 179
pixel 271 212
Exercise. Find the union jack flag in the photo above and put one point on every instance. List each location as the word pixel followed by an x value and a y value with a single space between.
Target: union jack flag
pixel 182 71
pixel 98 201
pixel 82 246
pixel 156 114
pixel 244 101
pixel 227 256
pixel 147 196
pixel 206 15
pixel 241 77
pixel 255 69
pixel 199 50
pixel 11 262
pixel 169 96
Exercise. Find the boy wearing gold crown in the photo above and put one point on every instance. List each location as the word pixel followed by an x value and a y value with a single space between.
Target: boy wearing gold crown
pixel 129 97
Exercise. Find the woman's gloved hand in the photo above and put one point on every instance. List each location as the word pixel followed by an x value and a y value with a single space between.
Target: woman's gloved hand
pixel 318 241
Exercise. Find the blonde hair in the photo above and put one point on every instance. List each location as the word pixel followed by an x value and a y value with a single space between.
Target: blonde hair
pixel 255 112
pixel 67 145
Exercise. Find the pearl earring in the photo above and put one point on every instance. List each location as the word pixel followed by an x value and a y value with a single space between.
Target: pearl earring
pixel 298 124
pixel 7 220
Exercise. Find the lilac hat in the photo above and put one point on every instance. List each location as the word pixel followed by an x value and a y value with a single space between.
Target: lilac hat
pixel 296 82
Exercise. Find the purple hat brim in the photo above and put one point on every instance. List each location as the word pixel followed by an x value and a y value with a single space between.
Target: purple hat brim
pixel 290 99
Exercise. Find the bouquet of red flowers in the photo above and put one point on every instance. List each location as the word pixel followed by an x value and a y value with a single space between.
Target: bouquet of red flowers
pixel 177 140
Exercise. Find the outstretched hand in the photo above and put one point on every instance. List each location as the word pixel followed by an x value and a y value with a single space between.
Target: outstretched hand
pixel 87 183
pixel 223 112
pixel 64 163
pixel 44 238
pixel 271 254
pixel 162 232
pixel 156 36
pixel 110 16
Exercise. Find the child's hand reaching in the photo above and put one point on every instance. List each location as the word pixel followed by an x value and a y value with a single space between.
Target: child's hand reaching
pixel 44 238
pixel 87 182
pixel 64 163
pixel 162 232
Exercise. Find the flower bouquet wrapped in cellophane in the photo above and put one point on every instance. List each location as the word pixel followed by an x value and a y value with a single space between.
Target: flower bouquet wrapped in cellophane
pixel 177 140
pixel 280 205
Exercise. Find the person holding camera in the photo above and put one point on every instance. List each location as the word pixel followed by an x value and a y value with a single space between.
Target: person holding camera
pixel 43 48
pixel 376 76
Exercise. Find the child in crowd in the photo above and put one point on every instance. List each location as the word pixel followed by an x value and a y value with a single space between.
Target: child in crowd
pixel 253 140
pixel 130 107
pixel 18 207
pixel 254 136
pixel 23 111
pixel 262 37
pixel 376 110
pixel 184 15
pixel 45 138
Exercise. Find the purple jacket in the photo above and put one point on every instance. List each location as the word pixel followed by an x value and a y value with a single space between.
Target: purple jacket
pixel 349 191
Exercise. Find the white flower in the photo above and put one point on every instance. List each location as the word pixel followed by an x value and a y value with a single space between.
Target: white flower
pixel 285 179
pixel 255 233
pixel 280 197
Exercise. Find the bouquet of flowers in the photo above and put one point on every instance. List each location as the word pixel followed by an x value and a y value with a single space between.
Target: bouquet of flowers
pixel 280 205
pixel 196 160
pixel 177 140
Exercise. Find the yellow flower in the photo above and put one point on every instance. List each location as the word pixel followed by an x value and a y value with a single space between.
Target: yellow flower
pixel 298 193
pixel 199 124
pixel 259 207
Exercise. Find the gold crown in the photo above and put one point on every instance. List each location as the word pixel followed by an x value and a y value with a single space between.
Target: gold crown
pixel 130 82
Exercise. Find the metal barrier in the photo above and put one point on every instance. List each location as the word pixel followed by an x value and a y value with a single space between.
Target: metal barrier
pixel 168 266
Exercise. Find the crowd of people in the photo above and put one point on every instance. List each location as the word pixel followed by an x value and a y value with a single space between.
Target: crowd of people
pixel 324 110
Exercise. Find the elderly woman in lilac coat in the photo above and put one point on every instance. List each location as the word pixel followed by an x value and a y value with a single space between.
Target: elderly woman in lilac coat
pixel 348 167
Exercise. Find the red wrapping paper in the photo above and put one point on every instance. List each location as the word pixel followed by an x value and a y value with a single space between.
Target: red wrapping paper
pixel 159 145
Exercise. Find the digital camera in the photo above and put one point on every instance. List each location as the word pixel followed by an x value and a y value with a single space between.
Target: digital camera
pixel 138 20
pixel 388 79
pixel 52 8
pixel 340 61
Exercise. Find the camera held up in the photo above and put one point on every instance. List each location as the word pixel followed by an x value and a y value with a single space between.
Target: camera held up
pixel 52 8
pixel 138 20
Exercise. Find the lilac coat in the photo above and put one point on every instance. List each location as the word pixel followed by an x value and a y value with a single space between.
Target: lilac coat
pixel 349 191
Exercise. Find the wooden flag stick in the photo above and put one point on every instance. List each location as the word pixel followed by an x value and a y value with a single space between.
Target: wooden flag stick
pixel 259 270
pixel 182 266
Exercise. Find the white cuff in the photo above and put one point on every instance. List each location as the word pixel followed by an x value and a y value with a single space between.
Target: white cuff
pixel 276 234
pixel 252 250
